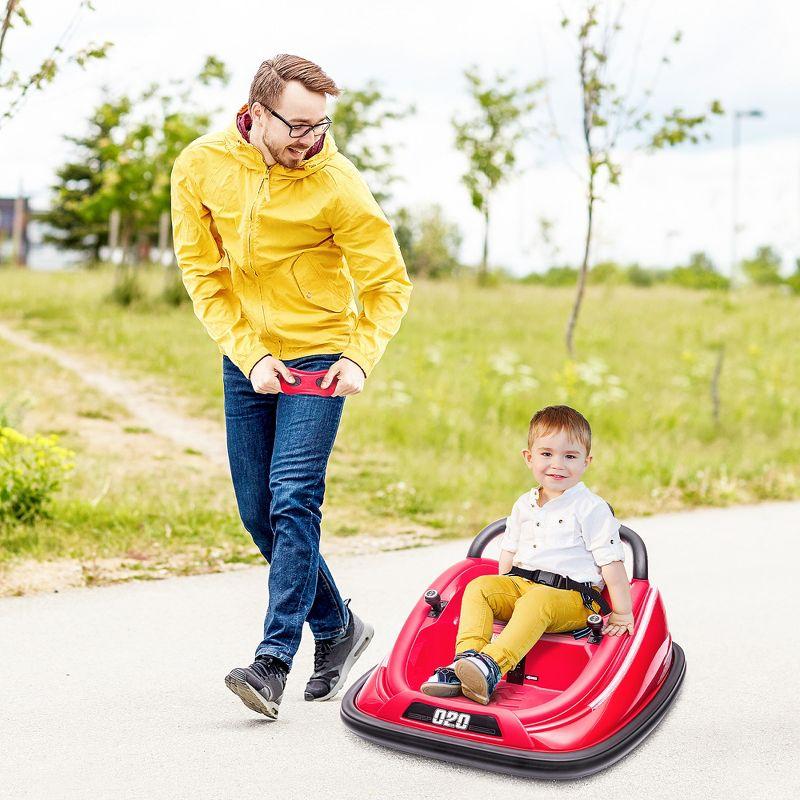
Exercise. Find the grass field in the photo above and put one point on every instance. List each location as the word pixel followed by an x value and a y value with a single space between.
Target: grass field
pixel 435 438
pixel 131 497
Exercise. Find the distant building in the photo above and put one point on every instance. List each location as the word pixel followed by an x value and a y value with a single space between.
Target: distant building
pixel 21 238
pixel 15 215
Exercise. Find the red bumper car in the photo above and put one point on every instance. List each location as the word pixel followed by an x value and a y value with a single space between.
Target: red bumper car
pixel 576 703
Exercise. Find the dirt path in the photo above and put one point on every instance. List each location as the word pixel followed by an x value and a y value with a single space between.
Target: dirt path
pixel 146 401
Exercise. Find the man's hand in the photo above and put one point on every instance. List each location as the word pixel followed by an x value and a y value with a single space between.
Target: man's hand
pixel 618 624
pixel 264 375
pixel 351 378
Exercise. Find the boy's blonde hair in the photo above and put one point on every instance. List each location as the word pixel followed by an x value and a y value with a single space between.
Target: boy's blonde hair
pixel 561 418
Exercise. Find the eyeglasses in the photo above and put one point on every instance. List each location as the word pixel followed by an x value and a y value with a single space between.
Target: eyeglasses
pixel 298 131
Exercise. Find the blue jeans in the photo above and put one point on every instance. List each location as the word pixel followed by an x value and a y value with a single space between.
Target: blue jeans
pixel 278 449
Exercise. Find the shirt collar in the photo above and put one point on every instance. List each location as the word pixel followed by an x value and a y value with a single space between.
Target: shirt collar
pixel 568 494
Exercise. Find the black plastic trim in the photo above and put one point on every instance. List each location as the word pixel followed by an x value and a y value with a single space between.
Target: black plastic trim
pixel 496 758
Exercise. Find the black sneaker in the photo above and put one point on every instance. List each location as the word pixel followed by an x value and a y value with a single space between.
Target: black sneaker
pixel 333 659
pixel 259 686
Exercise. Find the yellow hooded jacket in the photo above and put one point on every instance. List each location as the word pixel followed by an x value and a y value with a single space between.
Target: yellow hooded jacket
pixel 266 254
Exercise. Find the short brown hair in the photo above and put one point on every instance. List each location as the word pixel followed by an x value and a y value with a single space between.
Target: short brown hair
pixel 274 73
pixel 561 418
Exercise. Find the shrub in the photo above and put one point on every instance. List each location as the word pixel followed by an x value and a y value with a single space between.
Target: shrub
pixel 174 293
pixel 793 281
pixel 764 268
pixel 429 242
pixel 560 276
pixel 126 289
pixel 606 272
pixel 31 472
pixel 639 276
pixel 699 273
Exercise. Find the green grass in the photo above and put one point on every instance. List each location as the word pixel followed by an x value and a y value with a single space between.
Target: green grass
pixel 436 437
pixel 77 529
pixel 118 500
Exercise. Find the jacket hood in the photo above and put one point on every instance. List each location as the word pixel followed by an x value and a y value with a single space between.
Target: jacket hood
pixel 237 142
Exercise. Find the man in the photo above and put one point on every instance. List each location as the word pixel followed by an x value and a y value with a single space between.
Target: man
pixel 270 222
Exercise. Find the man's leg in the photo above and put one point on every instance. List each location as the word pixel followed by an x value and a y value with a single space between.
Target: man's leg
pixel 250 431
pixel 250 420
pixel 299 580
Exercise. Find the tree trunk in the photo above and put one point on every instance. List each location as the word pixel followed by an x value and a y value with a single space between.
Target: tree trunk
pixel 483 274
pixel 573 319
pixel 124 247
pixel 588 88
pixel 715 385
pixel 19 224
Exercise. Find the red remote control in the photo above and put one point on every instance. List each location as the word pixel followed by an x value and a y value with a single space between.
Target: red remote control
pixel 307 382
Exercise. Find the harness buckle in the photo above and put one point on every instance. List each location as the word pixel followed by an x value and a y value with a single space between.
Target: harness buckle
pixel 552 580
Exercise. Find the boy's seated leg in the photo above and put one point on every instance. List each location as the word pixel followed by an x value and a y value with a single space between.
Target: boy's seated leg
pixel 539 609
pixel 486 599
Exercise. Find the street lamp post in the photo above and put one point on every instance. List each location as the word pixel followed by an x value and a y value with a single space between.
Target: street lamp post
pixel 737 117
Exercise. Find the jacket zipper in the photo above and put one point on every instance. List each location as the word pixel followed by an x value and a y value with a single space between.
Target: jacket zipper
pixel 250 227
pixel 264 178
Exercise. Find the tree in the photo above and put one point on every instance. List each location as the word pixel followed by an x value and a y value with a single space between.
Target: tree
pixel 489 140
pixel 764 268
pixel 358 116
pixel 67 229
pixel 123 164
pixel 429 242
pixel 608 114
pixel 14 88
pixel 74 221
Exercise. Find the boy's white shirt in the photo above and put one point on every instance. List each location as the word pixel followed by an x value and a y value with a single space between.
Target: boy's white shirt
pixel 574 534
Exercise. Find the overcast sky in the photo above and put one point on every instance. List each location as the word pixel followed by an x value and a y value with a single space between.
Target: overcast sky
pixel 668 205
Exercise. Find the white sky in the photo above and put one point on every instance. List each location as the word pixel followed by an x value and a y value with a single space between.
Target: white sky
pixel 668 205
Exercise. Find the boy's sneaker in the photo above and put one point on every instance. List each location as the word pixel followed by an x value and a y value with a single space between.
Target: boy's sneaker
pixel 333 658
pixel 479 675
pixel 260 686
pixel 444 682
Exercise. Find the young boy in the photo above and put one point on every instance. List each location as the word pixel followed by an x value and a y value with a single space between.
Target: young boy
pixel 558 527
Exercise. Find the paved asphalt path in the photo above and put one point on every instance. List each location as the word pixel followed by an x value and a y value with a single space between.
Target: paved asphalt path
pixel 118 692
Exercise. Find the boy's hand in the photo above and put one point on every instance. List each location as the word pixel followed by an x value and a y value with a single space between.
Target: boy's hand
pixel 618 624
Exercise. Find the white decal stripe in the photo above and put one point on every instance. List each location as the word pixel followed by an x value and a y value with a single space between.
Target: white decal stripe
pixel 638 637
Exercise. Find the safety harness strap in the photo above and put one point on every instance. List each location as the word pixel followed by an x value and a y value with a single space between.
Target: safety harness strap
pixel 556 581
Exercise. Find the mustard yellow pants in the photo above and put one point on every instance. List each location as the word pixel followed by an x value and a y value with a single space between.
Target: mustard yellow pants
pixel 529 610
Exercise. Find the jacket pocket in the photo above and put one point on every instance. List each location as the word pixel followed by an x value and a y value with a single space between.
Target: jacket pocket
pixel 330 292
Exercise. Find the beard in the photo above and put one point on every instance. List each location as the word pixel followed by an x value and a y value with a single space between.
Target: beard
pixel 281 156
